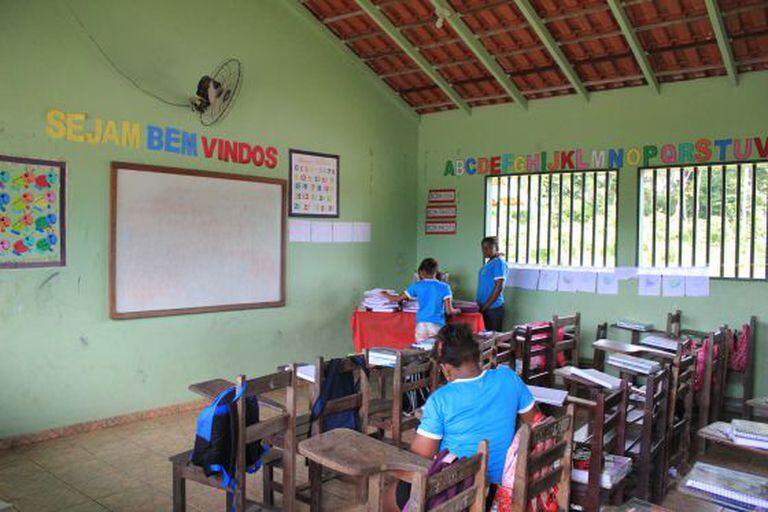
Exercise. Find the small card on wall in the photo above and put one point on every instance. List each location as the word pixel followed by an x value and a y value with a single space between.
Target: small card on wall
pixel 446 227
pixel 441 211
pixel 314 181
pixel 441 195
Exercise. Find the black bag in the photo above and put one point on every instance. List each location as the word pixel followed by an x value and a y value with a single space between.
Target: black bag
pixel 216 438
pixel 338 385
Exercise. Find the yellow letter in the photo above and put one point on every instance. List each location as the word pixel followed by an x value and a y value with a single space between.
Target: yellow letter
pixel 131 134
pixel 75 122
pixel 94 137
pixel 110 133
pixel 519 165
pixel 55 128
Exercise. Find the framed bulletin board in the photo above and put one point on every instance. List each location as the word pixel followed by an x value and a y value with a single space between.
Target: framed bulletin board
pixel 32 213
pixel 314 184
pixel 185 241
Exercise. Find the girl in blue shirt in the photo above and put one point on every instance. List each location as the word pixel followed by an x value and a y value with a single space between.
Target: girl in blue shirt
pixel 475 405
pixel 490 285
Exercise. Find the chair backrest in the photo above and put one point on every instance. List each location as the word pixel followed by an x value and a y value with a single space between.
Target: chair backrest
pixel 487 348
pixel 412 374
pixel 472 498
pixel 544 461
pixel 536 342
pixel 674 328
pixel 504 349
pixel 354 402
pixel 282 424
pixel 571 340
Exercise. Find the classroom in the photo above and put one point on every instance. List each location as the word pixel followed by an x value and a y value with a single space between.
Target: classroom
pixel 443 255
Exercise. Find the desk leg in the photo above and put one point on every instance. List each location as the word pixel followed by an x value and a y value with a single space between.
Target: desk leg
pixel 375 493
pixel 635 337
pixel 315 486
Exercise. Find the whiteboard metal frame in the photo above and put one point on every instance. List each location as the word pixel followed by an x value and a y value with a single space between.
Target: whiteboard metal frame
pixel 126 166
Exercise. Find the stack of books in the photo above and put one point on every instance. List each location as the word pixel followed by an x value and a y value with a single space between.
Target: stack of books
pixel 635 364
pixel 426 344
pixel 661 342
pixel 411 306
pixel 749 433
pixel 382 357
pixel 466 306
pixel 615 469
pixel 735 490
pixel 374 301
pixel 634 326
pixel 549 396
pixel 601 378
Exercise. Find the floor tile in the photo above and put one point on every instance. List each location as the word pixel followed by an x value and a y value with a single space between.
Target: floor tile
pixel 138 500
pixel 52 498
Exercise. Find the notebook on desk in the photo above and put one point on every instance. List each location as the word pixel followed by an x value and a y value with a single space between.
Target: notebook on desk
pixel 730 488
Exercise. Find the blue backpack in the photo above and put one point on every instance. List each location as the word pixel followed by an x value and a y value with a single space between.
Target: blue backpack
pixel 216 439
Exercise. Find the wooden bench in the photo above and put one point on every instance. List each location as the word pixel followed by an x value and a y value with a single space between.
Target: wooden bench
pixel 262 431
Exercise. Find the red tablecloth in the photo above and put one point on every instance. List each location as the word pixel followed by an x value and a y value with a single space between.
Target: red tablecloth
pixel 396 330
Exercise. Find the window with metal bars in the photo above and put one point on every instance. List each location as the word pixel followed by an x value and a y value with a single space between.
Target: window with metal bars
pixel 712 216
pixel 554 218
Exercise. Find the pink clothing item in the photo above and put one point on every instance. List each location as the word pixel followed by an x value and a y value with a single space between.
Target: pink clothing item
pixel 739 348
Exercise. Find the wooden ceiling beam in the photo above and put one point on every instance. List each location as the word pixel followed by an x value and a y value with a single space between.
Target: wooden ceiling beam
pixel 723 41
pixel 634 43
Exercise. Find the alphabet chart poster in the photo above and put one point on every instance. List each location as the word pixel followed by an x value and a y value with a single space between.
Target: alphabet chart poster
pixel 314 183
pixel 32 194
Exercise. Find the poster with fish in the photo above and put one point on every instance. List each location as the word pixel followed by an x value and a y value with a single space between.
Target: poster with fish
pixel 32 211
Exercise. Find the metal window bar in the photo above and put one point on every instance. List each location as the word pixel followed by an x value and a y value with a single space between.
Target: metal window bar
pixel 509 183
pixel 737 271
pixel 709 211
pixel 594 217
pixel 517 221
pixel 752 232
pixel 680 223
pixel 653 221
pixel 668 215
pixel 560 220
pixel 723 183
pixel 695 213
pixel 498 203
pixel 538 218
pixel 549 218
pixel 583 211
pixel 605 219
pixel 570 223
pixel 528 221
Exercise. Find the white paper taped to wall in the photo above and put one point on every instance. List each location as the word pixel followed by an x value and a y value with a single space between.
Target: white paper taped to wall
pixel 607 283
pixel 649 285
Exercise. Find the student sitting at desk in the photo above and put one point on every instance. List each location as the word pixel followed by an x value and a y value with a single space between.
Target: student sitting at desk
pixel 435 300
pixel 475 405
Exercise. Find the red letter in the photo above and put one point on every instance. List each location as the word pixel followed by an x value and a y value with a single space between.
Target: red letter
pixel 227 151
pixel 243 157
pixel 703 150
pixel 208 149
pixel 567 159
pixel 762 147
pixel 496 165
pixel 271 157
pixel 258 156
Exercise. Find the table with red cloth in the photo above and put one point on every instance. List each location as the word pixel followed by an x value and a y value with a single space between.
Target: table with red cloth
pixel 396 330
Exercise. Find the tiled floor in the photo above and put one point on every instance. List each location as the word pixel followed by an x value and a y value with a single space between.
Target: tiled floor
pixel 126 468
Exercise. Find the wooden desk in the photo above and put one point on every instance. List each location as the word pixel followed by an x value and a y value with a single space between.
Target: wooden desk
pixel 717 432
pixel 635 332
pixel 210 389
pixel 352 453
pixel 621 347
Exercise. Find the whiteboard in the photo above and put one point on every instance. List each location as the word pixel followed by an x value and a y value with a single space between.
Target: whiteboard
pixel 186 241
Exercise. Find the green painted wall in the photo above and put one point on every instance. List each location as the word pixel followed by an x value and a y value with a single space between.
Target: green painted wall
pixel 683 112
pixel 62 360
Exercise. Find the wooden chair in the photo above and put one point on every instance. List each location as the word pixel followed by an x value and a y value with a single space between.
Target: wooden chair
pixel 263 431
pixel 539 471
pixel 571 341
pixel 536 342
pixel 674 325
pixel 745 379
pixel 488 350
pixel 680 408
pixel 604 433
pixel 646 434
pixel 471 499
pixel 712 394
pixel 505 349
pixel 412 373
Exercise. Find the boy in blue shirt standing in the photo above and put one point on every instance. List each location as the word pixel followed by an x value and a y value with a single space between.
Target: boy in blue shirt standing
pixel 435 300
pixel 490 285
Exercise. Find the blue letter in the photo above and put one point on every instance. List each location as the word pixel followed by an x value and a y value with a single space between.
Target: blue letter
pixel 172 137
pixel 188 143
pixel 615 158
pixel 154 138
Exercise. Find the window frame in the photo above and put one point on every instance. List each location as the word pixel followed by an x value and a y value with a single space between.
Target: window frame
pixel 708 165
pixel 562 172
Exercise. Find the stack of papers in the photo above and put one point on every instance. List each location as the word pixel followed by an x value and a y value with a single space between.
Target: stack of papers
pixel 374 301
pixel 466 306
pixel 735 489
pixel 661 342
pixel 750 433
pixel 615 468
pixel 306 372
pixel 634 326
pixel 427 344
pixel 382 357
pixel 549 396
pixel 411 306
pixel 635 364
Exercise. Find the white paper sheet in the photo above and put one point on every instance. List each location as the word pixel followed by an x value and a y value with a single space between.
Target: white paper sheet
pixel 548 280
pixel 649 285
pixel 586 282
pixel 607 283
pixel 673 286
pixel 361 232
pixel 322 232
pixel 567 281
pixel 697 286
pixel 625 273
pixel 343 231
pixel 300 230
pixel 527 279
